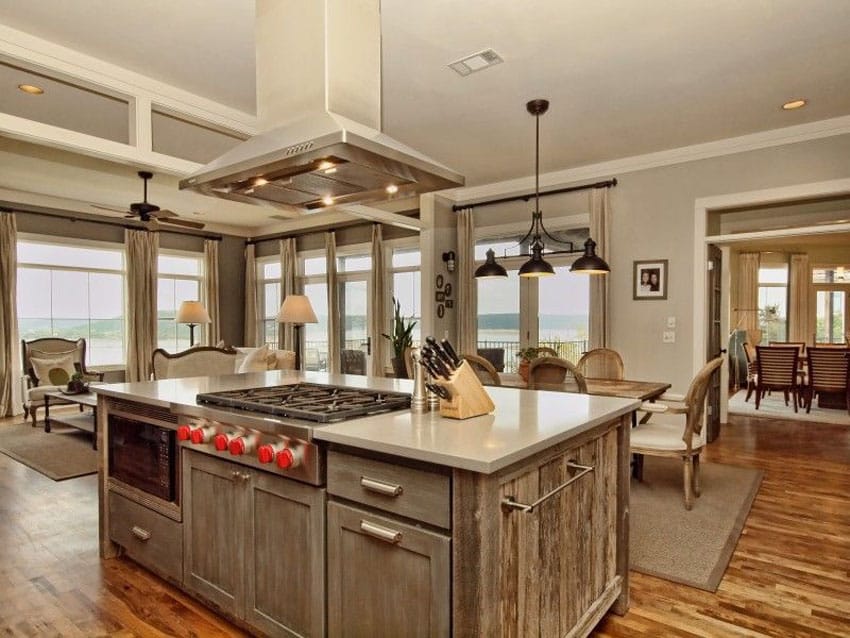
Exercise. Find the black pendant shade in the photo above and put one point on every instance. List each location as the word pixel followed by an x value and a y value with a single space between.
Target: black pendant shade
pixel 490 269
pixel 536 266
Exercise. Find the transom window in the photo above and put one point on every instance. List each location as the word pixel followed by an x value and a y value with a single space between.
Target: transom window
pixel 71 291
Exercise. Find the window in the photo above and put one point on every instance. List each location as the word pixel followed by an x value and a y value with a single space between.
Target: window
pixel 406 276
pixel 832 285
pixel 71 291
pixel 180 277
pixel 773 302
pixel 268 297
pixel 315 286
pixel 517 312
pixel 353 276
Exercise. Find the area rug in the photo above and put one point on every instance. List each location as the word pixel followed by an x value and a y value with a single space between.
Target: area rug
pixel 689 547
pixel 773 406
pixel 63 454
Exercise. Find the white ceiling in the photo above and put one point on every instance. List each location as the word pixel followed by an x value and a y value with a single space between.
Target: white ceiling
pixel 624 78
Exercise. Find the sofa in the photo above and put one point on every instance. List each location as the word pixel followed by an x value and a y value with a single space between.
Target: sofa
pixel 211 361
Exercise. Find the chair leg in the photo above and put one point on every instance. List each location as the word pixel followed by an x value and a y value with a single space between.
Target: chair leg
pixel 688 479
pixel 33 411
pixel 759 393
pixel 750 387
pixel 697 487
pixel 26 412
pixel 637 466
pixel 795 395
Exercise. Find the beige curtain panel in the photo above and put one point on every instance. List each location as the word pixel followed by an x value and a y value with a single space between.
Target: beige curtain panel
pixel 748 290
pixel 252 320
pixel 10 357
pixel 600 231
pixel 377 304
pixel 287 287
pixel 798 297
pixel 334 320
pixel 211 301
pixel 467 287
pixel 142 249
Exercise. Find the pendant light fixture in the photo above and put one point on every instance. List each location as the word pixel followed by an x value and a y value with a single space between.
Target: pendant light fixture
pixel 589 263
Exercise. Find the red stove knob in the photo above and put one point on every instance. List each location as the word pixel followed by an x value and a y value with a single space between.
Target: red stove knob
pixel 201 435
pixel 242 445
pixel 288 458
pixel 184 432
pixel 266 453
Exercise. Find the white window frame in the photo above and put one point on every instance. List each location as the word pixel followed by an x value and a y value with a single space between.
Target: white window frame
pixel 52 240
pixel 200 279
pixel 262 282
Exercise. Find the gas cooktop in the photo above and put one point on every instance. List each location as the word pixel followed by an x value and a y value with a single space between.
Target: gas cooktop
pixel 309 401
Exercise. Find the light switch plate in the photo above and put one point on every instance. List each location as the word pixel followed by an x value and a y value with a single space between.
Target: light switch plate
pixel 671 322
pixel 669 337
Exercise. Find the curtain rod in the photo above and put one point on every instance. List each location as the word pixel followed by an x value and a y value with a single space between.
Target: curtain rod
pixel 106 222
pixel 608 183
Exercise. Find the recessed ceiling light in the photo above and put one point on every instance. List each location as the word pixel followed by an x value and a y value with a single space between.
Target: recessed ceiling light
pixel 392 189
pixel 475 62
pixel 260 181
pixel 327 200
pixel 325 165
pixel 794 104
pixel 330 171
pixel 31 89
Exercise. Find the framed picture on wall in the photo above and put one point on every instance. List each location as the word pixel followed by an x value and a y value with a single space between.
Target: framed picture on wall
pixel 650 279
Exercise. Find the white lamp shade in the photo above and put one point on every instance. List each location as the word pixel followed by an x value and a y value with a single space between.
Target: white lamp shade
pixel 192 312
pixel 296 309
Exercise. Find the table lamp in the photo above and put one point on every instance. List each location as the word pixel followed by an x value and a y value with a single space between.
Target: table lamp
pixel 192 313
pixel 296 309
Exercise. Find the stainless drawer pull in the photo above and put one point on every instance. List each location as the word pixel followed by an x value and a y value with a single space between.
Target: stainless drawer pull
pixel 374 485
pixel 141 534
pixel 509 503
pixel 380 532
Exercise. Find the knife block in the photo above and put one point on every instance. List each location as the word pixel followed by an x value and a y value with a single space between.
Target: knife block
pixel 469 398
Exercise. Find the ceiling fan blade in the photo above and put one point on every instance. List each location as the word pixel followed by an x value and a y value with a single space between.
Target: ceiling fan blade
pixel 163 213
pixel 182 222
pixel 114 209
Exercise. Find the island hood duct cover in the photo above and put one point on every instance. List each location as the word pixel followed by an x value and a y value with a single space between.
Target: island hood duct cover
pixel 319 103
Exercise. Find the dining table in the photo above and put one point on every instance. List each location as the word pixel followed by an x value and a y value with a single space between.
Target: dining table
pixel 625 388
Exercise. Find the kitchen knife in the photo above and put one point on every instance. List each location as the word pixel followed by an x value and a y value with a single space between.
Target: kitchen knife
pixel 440 353
pixel 439 390
pixel 426 363
pixel 447 347
pixel 441 368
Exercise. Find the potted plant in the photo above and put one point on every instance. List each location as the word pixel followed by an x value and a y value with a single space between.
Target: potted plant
pixel 525 356
pixel 400 339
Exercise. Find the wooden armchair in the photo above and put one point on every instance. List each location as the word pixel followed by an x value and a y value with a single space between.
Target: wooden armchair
pixel 602 363
pixel 777 369
pixel 48 365
pixel 827 372
pixel 353 362
pixel 552 373
pixel 752 373
pixel 484 370
pixel 676 431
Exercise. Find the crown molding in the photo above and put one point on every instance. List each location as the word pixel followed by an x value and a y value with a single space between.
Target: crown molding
pixel 729 146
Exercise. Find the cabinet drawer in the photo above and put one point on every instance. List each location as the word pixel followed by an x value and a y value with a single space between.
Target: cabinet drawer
pixel 147 536
pixel 417 494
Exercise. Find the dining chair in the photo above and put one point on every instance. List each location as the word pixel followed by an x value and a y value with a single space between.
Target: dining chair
pixel 777 369
pixel 602 363
pixel 752 374
pixel 554 373
pixel 546 351
pixel 674 430
pixel 483 369
pixel 827 372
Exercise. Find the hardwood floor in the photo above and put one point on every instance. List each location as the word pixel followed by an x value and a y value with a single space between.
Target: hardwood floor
pixel 789 575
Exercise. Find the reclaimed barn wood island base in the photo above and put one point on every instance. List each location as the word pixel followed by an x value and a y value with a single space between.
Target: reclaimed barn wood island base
pixel 509 524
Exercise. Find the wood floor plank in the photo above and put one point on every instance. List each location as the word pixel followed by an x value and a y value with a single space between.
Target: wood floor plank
pixel 788 576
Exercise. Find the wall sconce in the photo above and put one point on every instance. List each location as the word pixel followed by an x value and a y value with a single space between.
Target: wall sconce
pixel 449 258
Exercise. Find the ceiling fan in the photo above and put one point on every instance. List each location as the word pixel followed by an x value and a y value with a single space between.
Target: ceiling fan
pixel 151 213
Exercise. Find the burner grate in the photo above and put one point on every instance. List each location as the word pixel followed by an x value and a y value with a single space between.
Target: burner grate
pixel 309 401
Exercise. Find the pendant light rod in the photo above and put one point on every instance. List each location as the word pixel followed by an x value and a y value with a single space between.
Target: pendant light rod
pixel 608 183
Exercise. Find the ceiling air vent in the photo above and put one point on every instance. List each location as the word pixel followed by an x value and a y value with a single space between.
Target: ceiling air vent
pixel 476 62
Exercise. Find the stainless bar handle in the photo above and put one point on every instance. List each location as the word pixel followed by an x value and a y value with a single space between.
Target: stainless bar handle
pixel 374 485
pixel 382 533
pixel 141 534
pixel 509 503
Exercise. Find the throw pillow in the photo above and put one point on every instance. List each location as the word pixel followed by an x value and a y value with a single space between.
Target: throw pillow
pixel 284 360
pixel 55 370
pixel 256 361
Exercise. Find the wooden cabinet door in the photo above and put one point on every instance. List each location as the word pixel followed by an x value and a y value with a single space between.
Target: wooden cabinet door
pixel 213 537
pixel 285 556
pixel 385 578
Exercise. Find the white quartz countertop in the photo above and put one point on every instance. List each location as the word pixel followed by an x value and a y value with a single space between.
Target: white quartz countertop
pixel 524 422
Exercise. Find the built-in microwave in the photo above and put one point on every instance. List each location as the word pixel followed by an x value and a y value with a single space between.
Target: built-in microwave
pixel 144 456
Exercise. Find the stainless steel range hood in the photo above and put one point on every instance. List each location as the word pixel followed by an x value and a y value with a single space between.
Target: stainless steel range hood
pixel 319 103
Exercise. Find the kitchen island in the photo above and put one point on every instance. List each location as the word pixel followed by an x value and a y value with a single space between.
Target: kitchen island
pixel 514 523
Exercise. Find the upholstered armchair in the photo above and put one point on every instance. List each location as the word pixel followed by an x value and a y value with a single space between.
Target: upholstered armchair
pixel 48 365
